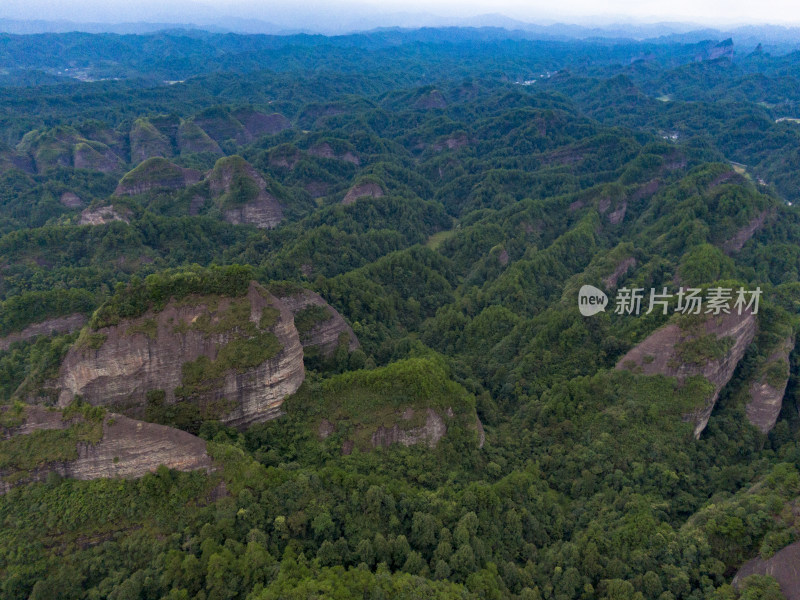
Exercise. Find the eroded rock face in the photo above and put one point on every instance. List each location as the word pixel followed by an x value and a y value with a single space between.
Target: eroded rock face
pixel 621 269
pixel 325 334
pixel 742 236
pixel 70 200
pixel 155 174
pixel 659 354
pixel 766 396
pixel 66 324
pixel 151 354
pixel 128 449
pixel 262 209
pixel 361 190
pixel 100 216
pixel 784 566
pixel 429 434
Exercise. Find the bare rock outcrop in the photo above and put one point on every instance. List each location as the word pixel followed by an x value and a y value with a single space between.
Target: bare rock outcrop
pixel 70 200
pixel 621 269
pixel 181 351
pixel 430 433
pixel 242 193
pixel 191 138
pixel 324 150
pixel 100 216
pixel 784 566
pixel 156 174
pixel 742 236
pixel 127 448
pixel 324 334
pixel 258 123
pixel 66 324
pixel 766 393
pixel 663 353
pixel 365 189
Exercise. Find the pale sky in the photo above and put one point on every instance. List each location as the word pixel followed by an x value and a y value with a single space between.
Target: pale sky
pixel 332 14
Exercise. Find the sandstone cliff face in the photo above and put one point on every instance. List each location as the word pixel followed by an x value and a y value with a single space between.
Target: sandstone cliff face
pixel 784 566
pixel 152 353
pixel 742 236
pixel 429 434
pixel 66 324
pixel 128 448
pixel 766 395
pixel 154 174
pixel 325 334
pixel 361 190
pixel 148 142
pixel 234 175
pixel 660 353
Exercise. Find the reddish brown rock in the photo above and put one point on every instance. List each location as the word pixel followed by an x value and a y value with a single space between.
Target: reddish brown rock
pixel 66 324
pixel 326 334
pixel 145 354
pixel 70 200
pixel 784 566
pixel 128 449
pixel 429 434
pixel 742 236
pixel 658 354
pixel 766 397
pixel 363 190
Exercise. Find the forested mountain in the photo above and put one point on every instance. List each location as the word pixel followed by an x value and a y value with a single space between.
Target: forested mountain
pixel 298 317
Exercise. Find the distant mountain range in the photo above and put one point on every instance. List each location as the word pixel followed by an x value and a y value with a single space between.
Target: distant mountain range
pixel 774 38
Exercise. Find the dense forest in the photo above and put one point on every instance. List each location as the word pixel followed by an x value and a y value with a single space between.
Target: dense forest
pixel 447 192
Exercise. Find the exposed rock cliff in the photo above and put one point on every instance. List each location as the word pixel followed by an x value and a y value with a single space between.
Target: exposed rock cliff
pixel 242 194
pixel 66 324
pixel 784 566
pixel 154 174
pixel 430 433
pixel 148 142
pixel 320 326
pixel 766 393
pixel 711 348
pixel 362 190
pixel 125 448
pixel 191 138
pixel 234 358
pixel 100 216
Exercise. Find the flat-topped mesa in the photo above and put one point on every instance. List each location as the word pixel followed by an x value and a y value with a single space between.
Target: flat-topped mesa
pixel 711 347
pixel 156 174
pixel 234 358
pixel 242 194
pixel 91 446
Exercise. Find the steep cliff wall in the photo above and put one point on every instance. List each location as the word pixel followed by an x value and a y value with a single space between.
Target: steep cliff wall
pixel 766 392
pixel 711 347
pixel 235 358
pixel 118 447
pixel 320 326
pixel 66 324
